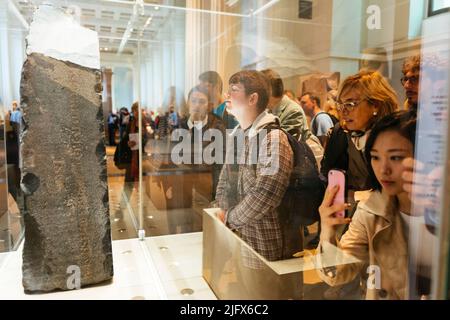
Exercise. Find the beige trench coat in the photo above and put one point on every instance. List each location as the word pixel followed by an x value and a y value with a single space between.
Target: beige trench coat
pixel 376 238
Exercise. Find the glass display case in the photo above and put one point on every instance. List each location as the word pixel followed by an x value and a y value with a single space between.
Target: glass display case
pixel 11 220
pixel 3 185
pixel 235 271
pixel 162 74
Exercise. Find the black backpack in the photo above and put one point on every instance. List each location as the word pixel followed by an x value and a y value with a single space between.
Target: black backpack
pixel 303 196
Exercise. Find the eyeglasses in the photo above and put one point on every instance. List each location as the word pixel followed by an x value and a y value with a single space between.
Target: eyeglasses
pixel 412 80
pixel 349 106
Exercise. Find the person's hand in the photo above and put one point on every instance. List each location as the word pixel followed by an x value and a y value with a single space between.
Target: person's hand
pixel 329 221
pixel 417 184
pixel 221 215
pixel 131 144
pixel 408 174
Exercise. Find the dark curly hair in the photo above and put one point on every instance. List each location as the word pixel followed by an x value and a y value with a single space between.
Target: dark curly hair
pixel 411 64
pixel 403 122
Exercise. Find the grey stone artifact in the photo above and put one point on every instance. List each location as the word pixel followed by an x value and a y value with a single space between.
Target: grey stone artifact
pixel 67 228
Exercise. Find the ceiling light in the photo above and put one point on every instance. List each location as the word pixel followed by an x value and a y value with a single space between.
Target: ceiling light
pixel 173 7
pixel 265 7
pixel 231 3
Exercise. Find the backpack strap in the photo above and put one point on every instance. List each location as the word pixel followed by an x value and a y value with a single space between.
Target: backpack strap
pixel 297 147
pixel 314 121
pixel 269 127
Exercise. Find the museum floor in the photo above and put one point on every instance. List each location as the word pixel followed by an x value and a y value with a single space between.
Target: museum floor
pixel 171 271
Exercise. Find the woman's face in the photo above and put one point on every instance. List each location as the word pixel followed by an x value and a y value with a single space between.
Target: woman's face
pixel 387 154
pixel 358 117
pixel 198 106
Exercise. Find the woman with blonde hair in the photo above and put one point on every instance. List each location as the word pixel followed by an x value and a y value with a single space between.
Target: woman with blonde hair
pixel 362 100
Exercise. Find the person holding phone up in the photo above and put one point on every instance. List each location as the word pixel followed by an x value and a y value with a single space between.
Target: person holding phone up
pixel 362 100
pixel 379 231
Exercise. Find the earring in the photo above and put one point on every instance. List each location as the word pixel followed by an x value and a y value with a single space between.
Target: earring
pixel 375 113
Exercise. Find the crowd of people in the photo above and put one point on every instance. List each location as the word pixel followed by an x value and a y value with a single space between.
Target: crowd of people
pixel 362 129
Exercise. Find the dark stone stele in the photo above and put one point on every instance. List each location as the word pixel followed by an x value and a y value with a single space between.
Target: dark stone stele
pixel 63 177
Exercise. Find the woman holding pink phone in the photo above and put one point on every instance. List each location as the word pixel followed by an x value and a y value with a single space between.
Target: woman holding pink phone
pixel 378 232
pixel 362 100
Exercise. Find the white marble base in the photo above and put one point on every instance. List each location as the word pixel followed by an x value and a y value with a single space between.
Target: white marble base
pixel 141 271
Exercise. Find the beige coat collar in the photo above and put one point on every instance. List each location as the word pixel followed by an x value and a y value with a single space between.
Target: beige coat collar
pixel 380 204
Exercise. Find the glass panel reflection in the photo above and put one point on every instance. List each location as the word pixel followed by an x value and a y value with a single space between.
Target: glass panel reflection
pixel 235 271
pixel 334 69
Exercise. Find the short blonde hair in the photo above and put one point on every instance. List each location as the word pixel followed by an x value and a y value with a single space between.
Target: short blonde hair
pixel 374 88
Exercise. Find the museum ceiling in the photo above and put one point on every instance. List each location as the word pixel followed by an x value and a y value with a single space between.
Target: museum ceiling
pixel 121 24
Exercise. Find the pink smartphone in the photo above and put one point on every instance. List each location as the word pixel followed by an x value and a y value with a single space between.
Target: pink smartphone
pixel 337 177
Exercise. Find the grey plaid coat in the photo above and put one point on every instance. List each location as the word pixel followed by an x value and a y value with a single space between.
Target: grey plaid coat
pixel 252 192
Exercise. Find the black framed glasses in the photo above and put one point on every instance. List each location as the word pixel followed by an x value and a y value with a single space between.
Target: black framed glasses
pixel 349 106
pixel 413 80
